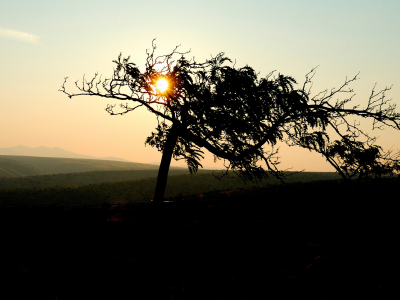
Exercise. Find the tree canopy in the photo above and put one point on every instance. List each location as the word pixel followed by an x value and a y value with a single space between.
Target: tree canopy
pixel 232 112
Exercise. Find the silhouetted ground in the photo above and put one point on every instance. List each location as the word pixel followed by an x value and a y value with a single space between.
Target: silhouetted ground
pixel 312 238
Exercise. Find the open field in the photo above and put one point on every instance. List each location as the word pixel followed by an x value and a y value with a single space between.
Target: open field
pixel 312 239
pixel 82 188
pixel 79 179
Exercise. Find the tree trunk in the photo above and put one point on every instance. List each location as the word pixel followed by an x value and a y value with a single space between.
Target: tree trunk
pixel 164 165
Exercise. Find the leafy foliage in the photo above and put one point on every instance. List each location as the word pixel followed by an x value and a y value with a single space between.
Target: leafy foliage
pixel 352 158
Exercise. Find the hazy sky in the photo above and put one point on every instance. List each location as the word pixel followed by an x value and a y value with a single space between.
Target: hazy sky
pixel 41 42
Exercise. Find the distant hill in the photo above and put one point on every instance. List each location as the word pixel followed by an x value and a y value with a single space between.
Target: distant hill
pixel 61 153
pixel 13 166
pixel 50 152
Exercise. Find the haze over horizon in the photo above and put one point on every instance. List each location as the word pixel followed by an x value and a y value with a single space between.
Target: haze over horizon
pixel 42 42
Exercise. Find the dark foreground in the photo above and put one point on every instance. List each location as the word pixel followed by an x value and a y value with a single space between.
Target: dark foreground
pixel 313 239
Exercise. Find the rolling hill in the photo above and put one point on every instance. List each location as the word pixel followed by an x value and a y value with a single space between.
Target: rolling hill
pixel 15 166
pixel 50 152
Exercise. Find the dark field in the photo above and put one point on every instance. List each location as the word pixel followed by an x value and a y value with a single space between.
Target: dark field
pixel 317 239
pixel 96 188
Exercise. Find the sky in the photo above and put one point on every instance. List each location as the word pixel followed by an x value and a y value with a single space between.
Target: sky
pixel 42 42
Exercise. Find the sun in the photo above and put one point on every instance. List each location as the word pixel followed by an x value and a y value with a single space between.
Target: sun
pixel 162 85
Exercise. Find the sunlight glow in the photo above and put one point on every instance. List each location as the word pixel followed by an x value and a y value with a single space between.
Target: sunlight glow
pixel 162 85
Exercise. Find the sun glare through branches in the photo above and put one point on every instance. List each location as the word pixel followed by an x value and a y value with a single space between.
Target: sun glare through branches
pixel 162 85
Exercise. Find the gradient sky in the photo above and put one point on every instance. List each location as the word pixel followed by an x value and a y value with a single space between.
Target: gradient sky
pixel 41 42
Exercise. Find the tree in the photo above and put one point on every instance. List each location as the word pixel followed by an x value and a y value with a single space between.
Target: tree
pixel 229 111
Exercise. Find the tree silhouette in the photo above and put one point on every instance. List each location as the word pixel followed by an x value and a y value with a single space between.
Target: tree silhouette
pixel 354 158
pixel 349 157
pixel 229 111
